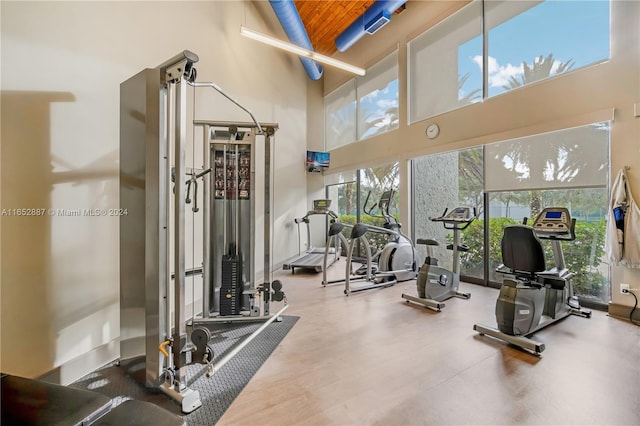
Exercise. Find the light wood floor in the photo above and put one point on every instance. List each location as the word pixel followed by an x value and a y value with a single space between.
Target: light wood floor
pixel 373 359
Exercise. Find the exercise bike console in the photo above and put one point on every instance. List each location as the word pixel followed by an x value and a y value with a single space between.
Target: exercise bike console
pixel 456 216
pixel 555 223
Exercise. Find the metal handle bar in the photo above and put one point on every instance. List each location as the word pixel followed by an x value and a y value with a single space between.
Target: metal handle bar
pixel 370 211
pixel 460 224
pixel 329 213
pixel 223 93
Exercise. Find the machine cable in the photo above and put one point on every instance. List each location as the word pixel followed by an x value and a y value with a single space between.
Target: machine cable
pixel 156 184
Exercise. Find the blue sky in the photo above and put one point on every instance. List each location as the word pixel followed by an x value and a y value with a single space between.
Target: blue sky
pixel 570 29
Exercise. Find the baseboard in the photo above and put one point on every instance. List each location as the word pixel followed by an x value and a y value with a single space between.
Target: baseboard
pixel 622 312
pixel 87 363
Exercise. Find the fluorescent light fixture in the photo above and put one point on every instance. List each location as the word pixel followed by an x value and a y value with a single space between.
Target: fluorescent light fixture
pixel 300 51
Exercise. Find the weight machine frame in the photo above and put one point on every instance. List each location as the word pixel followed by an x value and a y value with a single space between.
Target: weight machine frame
pixel 153 128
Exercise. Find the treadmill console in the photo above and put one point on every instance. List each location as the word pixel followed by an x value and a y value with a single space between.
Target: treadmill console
pixel 321 206
pixel 553 221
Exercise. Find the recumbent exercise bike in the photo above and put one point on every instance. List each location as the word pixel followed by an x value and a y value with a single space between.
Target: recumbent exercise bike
pixel 532 297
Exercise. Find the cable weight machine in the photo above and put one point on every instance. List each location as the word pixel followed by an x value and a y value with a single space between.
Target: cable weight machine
pixel 232 286
pixel 157 340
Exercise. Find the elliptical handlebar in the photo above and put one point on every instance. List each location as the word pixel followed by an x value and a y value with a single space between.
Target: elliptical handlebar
pixel 391 225
pixel 364 207
pixel 384 213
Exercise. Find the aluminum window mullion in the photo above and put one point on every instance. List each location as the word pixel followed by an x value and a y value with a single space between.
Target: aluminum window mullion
pixel 485 52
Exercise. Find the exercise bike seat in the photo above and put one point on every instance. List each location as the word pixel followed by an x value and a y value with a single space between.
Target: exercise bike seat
pixel 335 228
pixel 522 250
pixel 427 242
pixel 359 229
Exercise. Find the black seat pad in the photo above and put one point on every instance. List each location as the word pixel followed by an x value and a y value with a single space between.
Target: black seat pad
pixel 461 247
pixel 427 242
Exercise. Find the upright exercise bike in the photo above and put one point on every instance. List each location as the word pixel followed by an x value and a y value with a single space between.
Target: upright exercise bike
pixel 436 284
pixel 532 297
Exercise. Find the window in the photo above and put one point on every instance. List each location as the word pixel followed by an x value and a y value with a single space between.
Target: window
pixel 570 158
pixel 527 41
pixel 585 255
pixel 341 189
pixel 355 193
pixel 437 81
pixel 378 98
pixel 363 107
pixel 566 168
pixel 446 181
pixel 340 116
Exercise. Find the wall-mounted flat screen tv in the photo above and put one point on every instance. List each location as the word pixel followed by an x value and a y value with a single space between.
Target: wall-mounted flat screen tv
pixel 317 161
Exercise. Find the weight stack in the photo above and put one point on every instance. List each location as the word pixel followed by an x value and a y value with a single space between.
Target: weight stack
pixel 231 287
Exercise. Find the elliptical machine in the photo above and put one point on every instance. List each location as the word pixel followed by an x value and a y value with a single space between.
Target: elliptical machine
pixel 532 297
pixel 436 284
pixel 394 263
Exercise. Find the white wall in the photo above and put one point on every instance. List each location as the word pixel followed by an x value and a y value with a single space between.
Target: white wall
pixel 581 97
pixel 62 64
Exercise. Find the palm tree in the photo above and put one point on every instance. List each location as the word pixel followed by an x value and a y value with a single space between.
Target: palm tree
pixel 376 179
pixel 471 181
pixel 373 121
pixel 541 68
pixel 472 96
pixel 348 196
pixel 381 178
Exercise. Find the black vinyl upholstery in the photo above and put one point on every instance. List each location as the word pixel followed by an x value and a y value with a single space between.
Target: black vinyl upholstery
pixel 139 413
pixel 521 249
pixel 359 229
pixel 335 228
pixel 34 402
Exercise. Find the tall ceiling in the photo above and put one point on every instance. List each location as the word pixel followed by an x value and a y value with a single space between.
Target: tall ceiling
pixel 325 20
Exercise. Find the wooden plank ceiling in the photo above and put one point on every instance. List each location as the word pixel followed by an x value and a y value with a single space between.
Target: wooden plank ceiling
pixel 325 20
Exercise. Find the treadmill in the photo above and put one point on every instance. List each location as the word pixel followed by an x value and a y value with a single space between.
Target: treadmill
pixel 313 257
